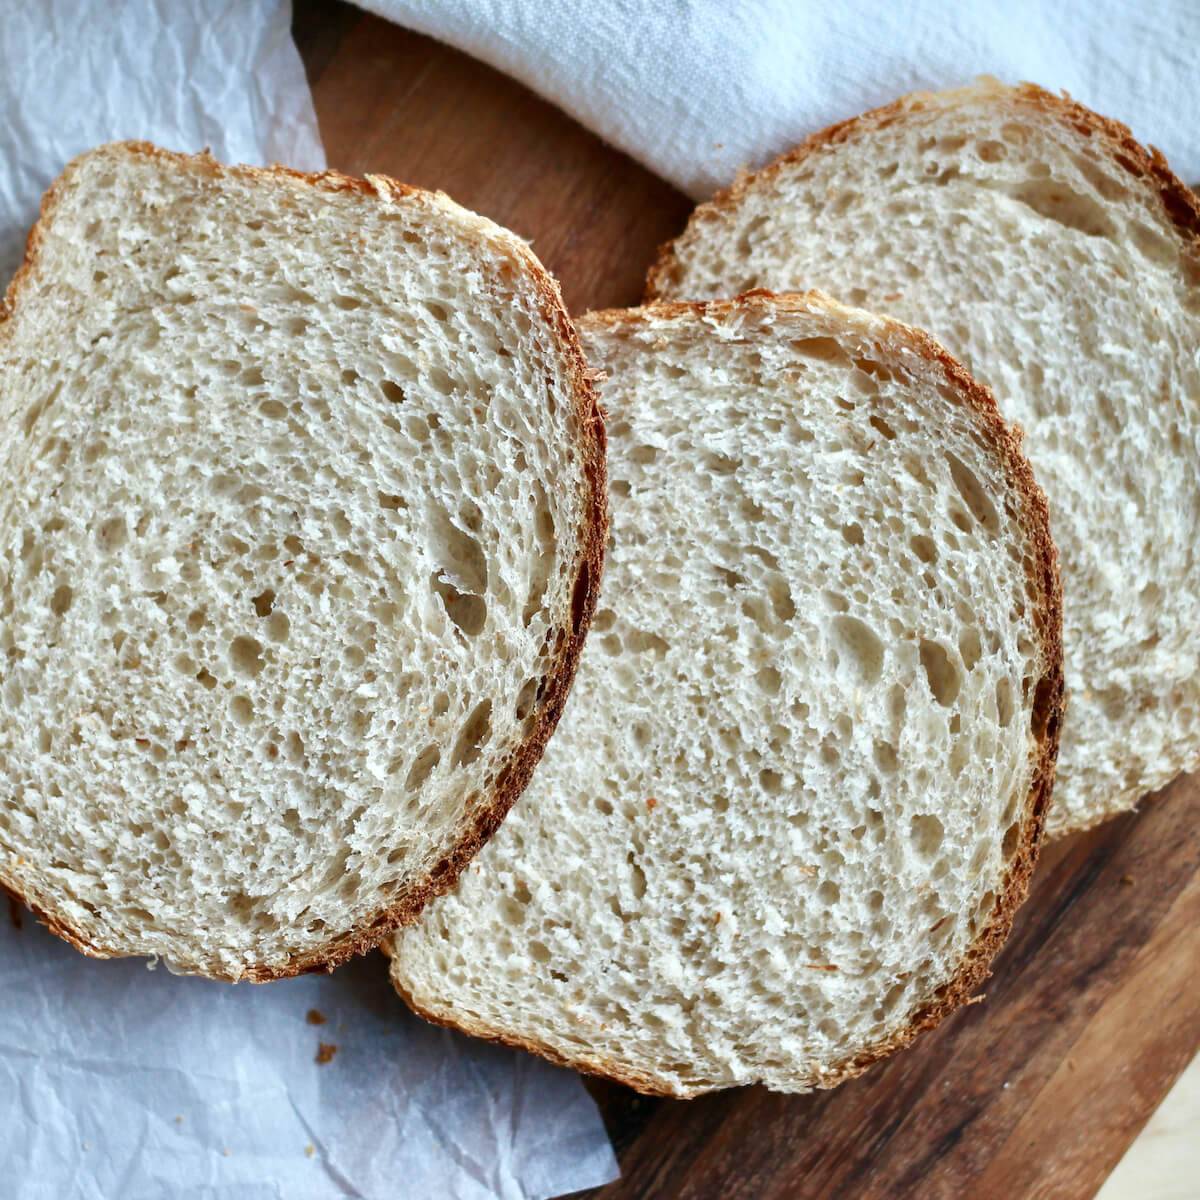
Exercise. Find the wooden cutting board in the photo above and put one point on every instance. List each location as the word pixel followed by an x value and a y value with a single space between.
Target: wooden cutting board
pixel 1094 1006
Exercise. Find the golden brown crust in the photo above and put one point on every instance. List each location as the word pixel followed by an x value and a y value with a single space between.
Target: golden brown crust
pixel 480 824
pixel 1048 704
pixel 1146 164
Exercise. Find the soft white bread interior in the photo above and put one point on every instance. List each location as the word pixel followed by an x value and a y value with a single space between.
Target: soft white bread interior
pixel 301 523
pixel 1060 261
pixel 798 788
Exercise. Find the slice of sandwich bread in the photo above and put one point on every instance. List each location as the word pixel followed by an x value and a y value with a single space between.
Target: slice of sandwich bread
pixel 798 789
pixel 301 525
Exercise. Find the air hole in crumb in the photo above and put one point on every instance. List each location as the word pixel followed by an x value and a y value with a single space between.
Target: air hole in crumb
pixel 278 626
pixel 112 534
pixel 392 391
pixel 926 833
pixel 541 564
pixel 853 534
pixel 604 620
pixel 467 611
pixel 973 494
pixel 770 680
pixel 637 880
pixel 526 698
pixel 883 427
pixel 264 602
pixel 1012 839
pixel 885 757
pixel 770 781
pixel 1040 718
pixel 1057 202
pixel 422 768
pixel 246 656
pixel 924 548
pixel 61 600
pixel 721 464
pixel 241 710
pixel 463 556
pixel 858 644
pixel 781 598
pixel 639 641
pixel 208 680
pixel 970 647
pixel 476 730
pixel 294 747
pixel 1004 702
pixel 821 349
pixel 940 672
pixel 390 502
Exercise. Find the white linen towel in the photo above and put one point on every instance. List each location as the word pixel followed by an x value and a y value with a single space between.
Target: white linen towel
pixel 695 89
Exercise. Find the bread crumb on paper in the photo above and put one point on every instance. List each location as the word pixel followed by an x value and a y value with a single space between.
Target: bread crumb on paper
pixel 325 1053
pixel 315 1016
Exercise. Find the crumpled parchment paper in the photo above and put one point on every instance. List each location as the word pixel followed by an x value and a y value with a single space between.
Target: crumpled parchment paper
pixel 118 1082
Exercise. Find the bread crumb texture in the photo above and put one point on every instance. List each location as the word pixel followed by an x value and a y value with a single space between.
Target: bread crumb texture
pixel 1060 260
pixel 302 481
pixel 795 793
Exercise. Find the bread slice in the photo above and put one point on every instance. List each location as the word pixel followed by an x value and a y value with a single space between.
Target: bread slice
pixel 799 788
pixel 302 522
pixel 1061 261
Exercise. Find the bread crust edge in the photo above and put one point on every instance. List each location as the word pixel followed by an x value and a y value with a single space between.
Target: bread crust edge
pixel 1145 163
pixel 513 778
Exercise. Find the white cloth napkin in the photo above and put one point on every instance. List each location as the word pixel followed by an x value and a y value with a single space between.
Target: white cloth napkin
pixel 695 89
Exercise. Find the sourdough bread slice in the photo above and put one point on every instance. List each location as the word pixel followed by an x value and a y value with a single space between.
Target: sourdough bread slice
pixel 302 519
pixel 798 790
pixel 1061 261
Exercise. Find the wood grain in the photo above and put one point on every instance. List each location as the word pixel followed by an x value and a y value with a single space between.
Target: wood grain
pixel 1094 1006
